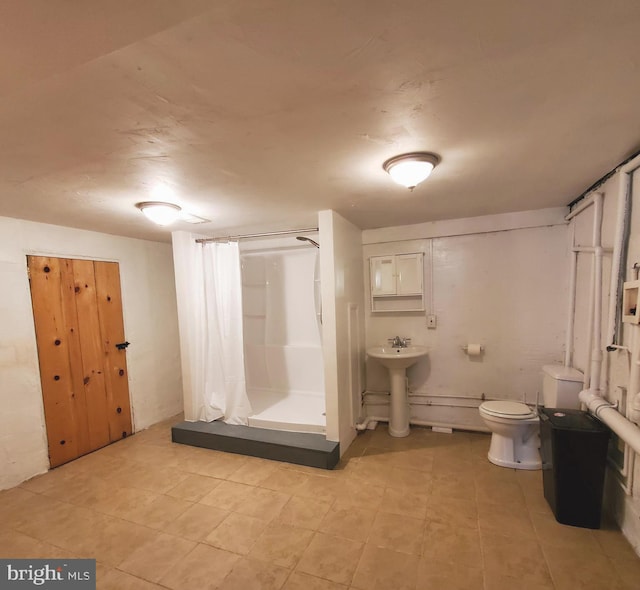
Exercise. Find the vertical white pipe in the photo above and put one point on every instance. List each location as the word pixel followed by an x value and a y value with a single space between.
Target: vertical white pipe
pixel 596 355
pixel 568 349
pixel 634 368
pixel 587 365
pixel 622 214
pixel 431 304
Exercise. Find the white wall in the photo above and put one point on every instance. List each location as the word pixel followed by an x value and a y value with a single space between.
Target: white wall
pixel 341 269
pixel 615 375
pixel 150 320
pixel 500 281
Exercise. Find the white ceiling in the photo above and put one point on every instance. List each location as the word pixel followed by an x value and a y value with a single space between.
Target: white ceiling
pixel 257 114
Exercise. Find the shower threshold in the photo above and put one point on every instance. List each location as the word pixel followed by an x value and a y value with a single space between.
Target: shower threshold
pixel 301 448
pixel 291 411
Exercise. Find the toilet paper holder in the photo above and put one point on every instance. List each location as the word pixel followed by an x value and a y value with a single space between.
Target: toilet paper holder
pixel 465 347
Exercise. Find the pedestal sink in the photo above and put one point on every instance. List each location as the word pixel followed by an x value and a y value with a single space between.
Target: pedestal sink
pixel 397 361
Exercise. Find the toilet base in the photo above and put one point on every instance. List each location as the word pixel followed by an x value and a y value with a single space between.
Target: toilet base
pixel 524 456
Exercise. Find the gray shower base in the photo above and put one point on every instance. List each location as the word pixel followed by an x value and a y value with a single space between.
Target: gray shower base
pixel 302 448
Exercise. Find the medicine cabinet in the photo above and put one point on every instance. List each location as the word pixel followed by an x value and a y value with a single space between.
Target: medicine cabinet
pixel 397 282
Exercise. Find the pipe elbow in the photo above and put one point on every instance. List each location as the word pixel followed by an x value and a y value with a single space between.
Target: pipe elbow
pixel 586 396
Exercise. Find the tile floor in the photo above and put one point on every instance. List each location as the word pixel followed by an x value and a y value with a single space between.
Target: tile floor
pixel 428 511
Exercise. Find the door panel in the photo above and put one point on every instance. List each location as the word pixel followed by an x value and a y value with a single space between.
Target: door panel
pixel 67 297
pixel 78 318
pixel 61 412
pixel 115 360
pixel 92 353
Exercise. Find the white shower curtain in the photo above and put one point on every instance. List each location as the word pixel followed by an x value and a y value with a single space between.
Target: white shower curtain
pixel 209 292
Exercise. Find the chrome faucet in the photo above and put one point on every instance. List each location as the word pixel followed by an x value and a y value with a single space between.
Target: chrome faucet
pixel 398 342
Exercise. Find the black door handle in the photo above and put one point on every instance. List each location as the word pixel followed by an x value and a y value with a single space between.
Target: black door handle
pixel 122 345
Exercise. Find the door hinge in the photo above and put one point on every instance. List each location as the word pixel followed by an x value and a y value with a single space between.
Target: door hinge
pixel 28 272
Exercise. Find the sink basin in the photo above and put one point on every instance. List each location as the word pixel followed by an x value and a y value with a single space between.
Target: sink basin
pixel 397 358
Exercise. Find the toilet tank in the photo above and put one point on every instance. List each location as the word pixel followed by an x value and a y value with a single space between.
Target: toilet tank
pixel 561 386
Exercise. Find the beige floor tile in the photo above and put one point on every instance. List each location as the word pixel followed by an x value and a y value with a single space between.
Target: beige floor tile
pixel 502 493
pixel 370 474
pixel 17 499
pixel 378 457
pixel 281 545
pixel 319 487
pixel 575 569
pixel 162 511
pixel 31 513
pixel 349 523
pixel 553 534
pixel 431 493
pixel 436 574
pixel 150 456
pixel 418 459
pixel 522 559
pixel 496 581
pixel 398 501
pixel 121 502
pixel 457 486
pixel 613 543
pixel 304 512
pixel 352 494
pixel 452 544
pixel 196 522
pixel 61 484
pixel 263 503
pixel 193 487
pixel 117 580
pixel 503 520
pixel 299 581
pixel 253 471
pixel 158 480
pixel 155 558
pixel 536 502
pixel 218 464
pixel 398 533
pixel 409 480
pixel 204 568
pixel 236 533
pixel 228 495
pixel 251 574
pixel 15 545
pixel 284 480
pixel 628 570
pixel 112 542
pixel 331 558
pixel 446 465
pixel 384 568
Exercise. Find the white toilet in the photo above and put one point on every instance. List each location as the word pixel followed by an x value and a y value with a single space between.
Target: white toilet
pixel 515 426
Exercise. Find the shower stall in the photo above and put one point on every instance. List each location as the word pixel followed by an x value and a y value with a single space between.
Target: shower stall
pixel 282 316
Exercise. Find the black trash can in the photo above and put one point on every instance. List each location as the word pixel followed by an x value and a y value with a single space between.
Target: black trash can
pixel 574 455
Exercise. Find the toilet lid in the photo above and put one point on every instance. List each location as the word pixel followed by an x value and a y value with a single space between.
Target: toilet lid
pixel 508 409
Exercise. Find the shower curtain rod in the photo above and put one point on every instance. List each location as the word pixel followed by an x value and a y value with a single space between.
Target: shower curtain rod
pixel 305 230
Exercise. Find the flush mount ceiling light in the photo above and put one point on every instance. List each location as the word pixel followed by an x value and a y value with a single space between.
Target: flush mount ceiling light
pixel 411 169
pixel 159 212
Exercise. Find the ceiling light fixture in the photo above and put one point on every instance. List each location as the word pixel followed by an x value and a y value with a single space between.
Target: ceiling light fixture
pixel 411 169
pixel 159 212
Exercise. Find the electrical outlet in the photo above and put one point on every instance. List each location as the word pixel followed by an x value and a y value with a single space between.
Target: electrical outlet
pixel 431 321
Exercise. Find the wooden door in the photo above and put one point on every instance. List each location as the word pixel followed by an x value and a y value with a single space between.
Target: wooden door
pixel 77 310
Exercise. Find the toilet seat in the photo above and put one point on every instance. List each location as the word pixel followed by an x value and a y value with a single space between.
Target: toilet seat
pixel 508 409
